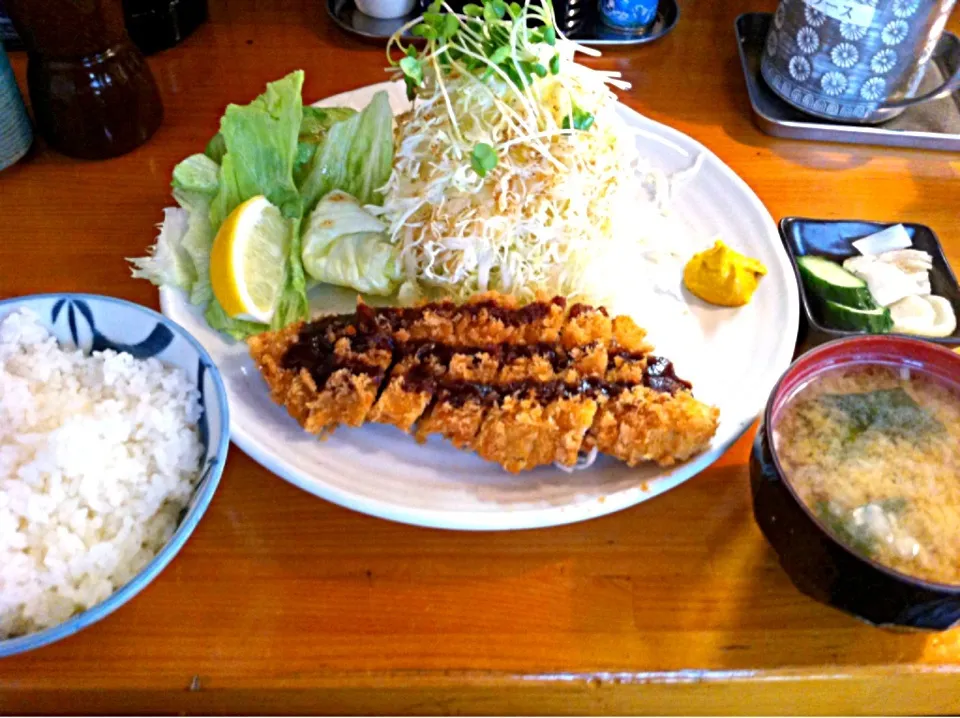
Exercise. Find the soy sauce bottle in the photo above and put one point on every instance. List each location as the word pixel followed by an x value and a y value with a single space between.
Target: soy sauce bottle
pixel 92 93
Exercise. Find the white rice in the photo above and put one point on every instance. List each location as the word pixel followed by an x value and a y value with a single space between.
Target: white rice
pixel 98 456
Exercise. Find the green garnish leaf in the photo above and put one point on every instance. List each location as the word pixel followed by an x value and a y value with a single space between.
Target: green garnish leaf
pixel 500 54
pixel 495 10
pixel 425 31
pixel 550 36
pixel 582 120
pixel 412 70
pixel 555 64
pixel 435 6
pixel 515 10
pixel 471 10
pixel 483 159
pixel 450 25
pixel 539 70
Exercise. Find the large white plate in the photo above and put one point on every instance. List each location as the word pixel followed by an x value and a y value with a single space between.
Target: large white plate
pixel 733 357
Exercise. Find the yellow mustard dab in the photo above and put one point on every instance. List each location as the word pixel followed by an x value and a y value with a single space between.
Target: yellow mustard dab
pixel 720 275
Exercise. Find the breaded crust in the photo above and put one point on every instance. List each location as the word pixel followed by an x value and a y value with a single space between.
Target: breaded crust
pixel 646 425
pixel 523 386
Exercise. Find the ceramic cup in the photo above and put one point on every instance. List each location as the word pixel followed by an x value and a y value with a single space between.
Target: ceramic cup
pixel 386 9
pixel 858 61
pixel 628 16
pixel 16 135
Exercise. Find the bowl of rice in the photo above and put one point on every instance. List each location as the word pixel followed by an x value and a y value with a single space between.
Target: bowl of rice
pixel 114 430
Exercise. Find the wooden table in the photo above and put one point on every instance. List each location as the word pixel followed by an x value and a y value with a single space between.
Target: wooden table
pixel 282 602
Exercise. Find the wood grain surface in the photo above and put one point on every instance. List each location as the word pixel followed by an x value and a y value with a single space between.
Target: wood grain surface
pixel 281 602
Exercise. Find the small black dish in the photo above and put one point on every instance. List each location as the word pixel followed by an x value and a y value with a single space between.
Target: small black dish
pixel 818 564
pixel 834 239
pixel 580 19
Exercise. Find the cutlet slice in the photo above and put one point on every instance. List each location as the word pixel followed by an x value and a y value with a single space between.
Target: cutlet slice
pixel 650 414
pixel 462 398
pixel 287 388
pixel 627 353
pixel 541 419
pixel 413 382
pixel 524 431
pixel 627 336
pixel 585 337
pixel 326 372
pixel 547 417
pixel 517 434
pixel 585 325
pixel 643 424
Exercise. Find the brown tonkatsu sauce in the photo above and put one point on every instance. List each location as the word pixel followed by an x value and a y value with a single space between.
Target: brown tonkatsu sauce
pixel 395 318
pixel 372 329
pixel 577 309
pixel 314 349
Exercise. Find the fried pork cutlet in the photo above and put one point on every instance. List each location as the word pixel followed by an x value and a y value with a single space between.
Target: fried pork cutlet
pixel 521 386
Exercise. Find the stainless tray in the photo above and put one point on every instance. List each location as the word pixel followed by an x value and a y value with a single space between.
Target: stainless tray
pixel 933 125
pixel 345 14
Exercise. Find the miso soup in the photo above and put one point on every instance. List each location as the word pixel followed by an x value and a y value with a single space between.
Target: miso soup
pixel 874 452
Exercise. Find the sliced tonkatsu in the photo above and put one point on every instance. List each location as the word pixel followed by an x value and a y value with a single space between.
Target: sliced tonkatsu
pixel 523 386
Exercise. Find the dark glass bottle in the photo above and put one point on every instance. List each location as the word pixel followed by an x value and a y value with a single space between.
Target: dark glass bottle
pixel 8 36
pixel 92 93
pixel 155 25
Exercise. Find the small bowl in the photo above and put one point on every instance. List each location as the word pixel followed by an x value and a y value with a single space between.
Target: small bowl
pixel 818 564
pixel 386 9
pixel 94 323
pixel 834 240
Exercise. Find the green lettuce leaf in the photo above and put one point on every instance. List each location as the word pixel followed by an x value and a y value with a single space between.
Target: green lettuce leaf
pixel 237 328
pixel 197 243
pixel 313 130
pixel 345 245
pixel 261 141
pixel 294 156
pixel 197 173
pixel 181 256
pixel 318 120
pixel 292 305
pixel 216 148
pixel 167 262
pixel 228 196
pixel 356 156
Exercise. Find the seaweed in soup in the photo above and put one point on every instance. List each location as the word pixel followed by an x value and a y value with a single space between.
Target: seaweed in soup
pixel 892 412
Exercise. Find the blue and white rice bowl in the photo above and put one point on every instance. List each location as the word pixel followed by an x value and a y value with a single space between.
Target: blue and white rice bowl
pixel 96 323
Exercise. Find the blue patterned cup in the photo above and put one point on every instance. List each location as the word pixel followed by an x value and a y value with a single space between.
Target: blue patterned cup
pixel 628 16
pixel 16 135
pixel 859 61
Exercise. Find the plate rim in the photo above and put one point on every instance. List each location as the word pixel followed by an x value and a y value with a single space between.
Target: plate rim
pixel 545 516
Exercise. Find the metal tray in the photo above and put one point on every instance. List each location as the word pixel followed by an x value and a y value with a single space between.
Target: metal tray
pixel 933 125
pixel 595 33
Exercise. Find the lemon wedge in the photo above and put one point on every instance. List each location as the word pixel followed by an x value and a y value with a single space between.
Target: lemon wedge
pixel 248 260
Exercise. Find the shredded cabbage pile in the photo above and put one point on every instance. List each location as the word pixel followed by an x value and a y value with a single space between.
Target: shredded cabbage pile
pixel 558 196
